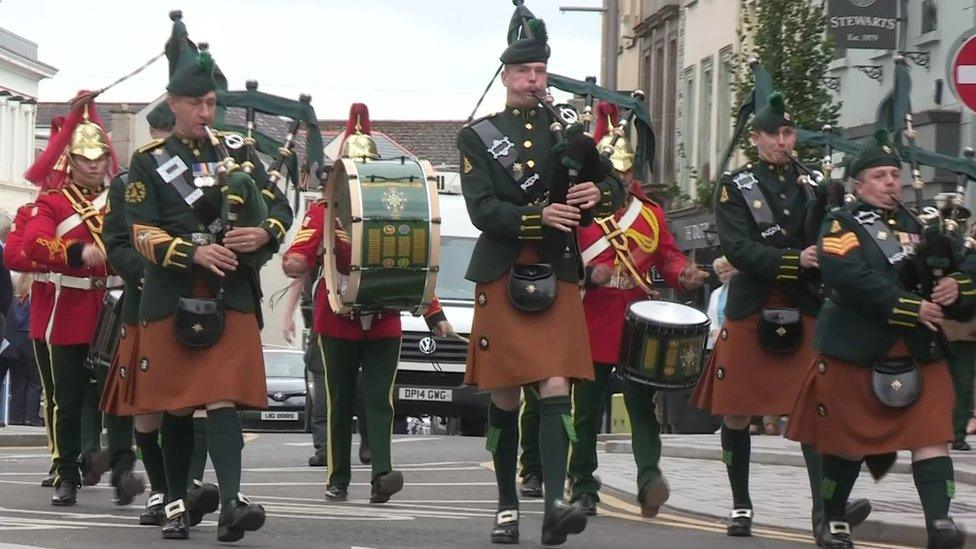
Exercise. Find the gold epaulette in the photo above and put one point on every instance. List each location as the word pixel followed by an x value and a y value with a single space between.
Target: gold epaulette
pixel 151 145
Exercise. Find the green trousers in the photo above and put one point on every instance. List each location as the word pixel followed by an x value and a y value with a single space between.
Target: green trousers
pixel 342 359
pixel 42 354
pixel 962 366
pixel 120 431
pixel 75 396
pixel 529 462
pixel 589 403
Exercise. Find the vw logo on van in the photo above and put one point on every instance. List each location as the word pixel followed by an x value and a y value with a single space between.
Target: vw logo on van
pixel 427 345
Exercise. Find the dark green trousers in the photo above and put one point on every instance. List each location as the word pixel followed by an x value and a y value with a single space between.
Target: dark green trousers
pixel 529 462
pixel 962 366
pixel 342 359
pixel 589 403
pixel 74 387
pixel 42 354
pixel 120 431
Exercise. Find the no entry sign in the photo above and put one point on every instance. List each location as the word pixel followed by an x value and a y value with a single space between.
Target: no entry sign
pixel 963 72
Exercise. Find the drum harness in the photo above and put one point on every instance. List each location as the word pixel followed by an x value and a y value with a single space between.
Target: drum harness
pixel 615 236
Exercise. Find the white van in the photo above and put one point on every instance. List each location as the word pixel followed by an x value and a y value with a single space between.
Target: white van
pixel 430 374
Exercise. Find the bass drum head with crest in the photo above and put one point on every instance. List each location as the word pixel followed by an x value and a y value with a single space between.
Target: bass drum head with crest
pixel 663 344
pixel 382 236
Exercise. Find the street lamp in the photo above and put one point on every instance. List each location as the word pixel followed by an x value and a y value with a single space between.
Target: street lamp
pixel 611 39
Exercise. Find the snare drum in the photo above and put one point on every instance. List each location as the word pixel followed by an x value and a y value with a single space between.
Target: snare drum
pixel 663 344
pixel 389 211
pixel 101 352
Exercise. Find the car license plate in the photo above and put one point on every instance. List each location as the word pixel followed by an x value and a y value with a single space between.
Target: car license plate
pixel 425 393
pixel 279 416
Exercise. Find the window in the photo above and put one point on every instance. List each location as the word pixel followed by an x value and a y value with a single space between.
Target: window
pixel 688 125
pixel 705 90
pixel 930 16
pixel 724 112
pixel 670 103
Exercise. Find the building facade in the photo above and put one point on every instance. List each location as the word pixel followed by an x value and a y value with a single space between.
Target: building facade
pixel 20 74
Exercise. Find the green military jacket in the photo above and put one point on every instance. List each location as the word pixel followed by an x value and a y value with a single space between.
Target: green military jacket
pixel 501 209
pixel 121 255
pixel 868 307
pixel 161 224
pixel 762 263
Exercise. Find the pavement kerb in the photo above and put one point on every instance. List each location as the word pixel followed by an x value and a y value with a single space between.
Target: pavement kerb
pixel 17 440
pixel 758 456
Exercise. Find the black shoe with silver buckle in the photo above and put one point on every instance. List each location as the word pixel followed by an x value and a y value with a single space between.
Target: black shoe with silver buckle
pixel 588 503
pixel 561 520
pixel 531 486
pixel 175 525
pixel 155 512
pixel 835 534
pixel 336 493
pixel 946 535
pixel 740 523
pixel 66 494
pixel 202 499
pixel 857 511
pixel 385 486
pixel 238 517
pixel 506 528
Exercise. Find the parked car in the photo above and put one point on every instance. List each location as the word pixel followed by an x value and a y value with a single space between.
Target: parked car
pixel 430 375
pixel 287 410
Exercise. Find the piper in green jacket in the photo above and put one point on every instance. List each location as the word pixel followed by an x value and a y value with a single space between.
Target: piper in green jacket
pixel 760 214
pixel 508 165
pixel 880 382
pixel 180 243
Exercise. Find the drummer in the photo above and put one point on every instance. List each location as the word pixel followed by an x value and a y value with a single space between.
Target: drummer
pixel 760 211
pixel 350 342
pixel 617 277
pixel 71 245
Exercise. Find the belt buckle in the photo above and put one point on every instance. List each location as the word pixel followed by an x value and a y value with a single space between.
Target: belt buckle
pixel 98 282
pixel 201 239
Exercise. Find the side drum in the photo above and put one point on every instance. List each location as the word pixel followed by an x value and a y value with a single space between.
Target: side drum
pixel 663 344
pixel 108 328
pixel 382 236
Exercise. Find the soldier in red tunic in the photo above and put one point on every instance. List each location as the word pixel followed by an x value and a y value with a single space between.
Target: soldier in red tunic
pixel 64 234
pixel 615 280
pixel 346 342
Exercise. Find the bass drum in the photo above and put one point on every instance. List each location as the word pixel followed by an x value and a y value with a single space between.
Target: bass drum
pixel 663 344
pixel 108 331
pixel 382 236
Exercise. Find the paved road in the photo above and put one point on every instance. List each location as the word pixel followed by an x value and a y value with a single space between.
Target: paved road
pixel 448 502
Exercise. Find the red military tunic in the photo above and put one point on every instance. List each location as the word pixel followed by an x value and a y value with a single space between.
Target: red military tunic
pixel 15 258
pixel 650 244
pixel 308 245
pixel 75 311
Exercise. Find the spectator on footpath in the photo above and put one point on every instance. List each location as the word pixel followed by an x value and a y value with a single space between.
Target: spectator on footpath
pixel 18 358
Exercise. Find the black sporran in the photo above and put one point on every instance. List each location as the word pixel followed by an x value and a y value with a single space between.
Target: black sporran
pixel 780 329
pixel 200 320
pixel 531 286
pixel 896 382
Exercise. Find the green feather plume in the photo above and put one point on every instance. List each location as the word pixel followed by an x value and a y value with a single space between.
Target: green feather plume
pixel 537 29
pixel 881 136
pixel 205 61
pixel 776 102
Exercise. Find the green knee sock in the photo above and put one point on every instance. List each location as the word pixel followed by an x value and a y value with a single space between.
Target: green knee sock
pixel 555 432
pixel 502 442
pixel 152 459
pixel 934 480
pixel 839 476
pixel 736 448
pixel 199 462
pixel 813 461
pixel 176 434
pixel 224 442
